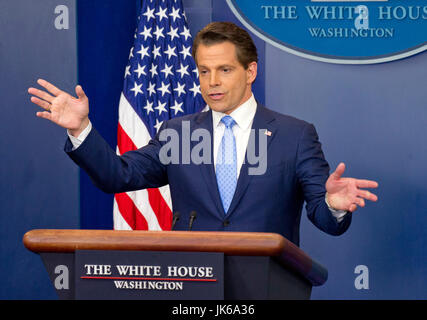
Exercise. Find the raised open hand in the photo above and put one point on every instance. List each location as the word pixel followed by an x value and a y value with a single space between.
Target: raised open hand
pixel 61 108
pixel 345 193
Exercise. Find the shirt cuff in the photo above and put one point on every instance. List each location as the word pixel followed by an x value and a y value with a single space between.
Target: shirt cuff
pixel 338 214
pixel 82 136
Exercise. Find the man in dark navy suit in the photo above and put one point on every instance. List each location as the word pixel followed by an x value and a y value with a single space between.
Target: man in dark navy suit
pixel 228 191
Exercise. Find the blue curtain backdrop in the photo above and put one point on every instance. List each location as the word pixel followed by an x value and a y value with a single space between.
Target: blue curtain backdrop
pixel 39 186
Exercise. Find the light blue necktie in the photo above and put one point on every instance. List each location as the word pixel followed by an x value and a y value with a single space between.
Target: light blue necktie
pixel 226 164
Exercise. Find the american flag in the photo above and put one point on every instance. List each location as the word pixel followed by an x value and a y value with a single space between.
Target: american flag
pixel 160 83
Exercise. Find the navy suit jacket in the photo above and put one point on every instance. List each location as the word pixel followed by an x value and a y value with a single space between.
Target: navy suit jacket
pixel 272 202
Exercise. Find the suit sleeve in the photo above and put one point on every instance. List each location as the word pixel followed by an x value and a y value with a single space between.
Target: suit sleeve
pixel 134 170
pixel 313 172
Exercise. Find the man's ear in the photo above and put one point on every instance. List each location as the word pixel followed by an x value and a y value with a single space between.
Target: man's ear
pixel 251 72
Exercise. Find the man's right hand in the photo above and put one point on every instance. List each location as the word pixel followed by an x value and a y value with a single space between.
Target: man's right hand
pixel 61 108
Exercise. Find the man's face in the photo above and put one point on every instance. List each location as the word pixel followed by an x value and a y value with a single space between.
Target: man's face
pixel 224 83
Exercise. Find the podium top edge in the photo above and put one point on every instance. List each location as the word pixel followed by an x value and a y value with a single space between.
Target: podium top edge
pixel 66 240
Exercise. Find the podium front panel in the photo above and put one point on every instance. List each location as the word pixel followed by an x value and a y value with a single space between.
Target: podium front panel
pixel 149 275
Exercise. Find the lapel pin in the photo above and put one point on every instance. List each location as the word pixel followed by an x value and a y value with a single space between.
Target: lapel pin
pixel 268 133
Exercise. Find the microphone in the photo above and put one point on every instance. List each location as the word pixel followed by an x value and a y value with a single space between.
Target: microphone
pixel 192 218
pixel 175 219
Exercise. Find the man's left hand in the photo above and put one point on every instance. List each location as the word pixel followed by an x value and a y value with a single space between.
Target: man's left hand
pixel 346 193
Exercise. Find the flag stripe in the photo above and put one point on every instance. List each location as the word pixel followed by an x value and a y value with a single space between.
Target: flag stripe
pixel 158 205
pixel 160 208
pixel 119 222
pixel 142 203
pixel 124 143
pixel 132 124
pixel 130 213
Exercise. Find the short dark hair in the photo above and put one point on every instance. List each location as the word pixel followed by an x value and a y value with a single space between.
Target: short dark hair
pixel 218 32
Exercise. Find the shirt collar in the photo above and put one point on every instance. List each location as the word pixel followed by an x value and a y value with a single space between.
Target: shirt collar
pixel 243 115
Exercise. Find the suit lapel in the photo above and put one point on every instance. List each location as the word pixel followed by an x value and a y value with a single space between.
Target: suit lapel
pixel 263 124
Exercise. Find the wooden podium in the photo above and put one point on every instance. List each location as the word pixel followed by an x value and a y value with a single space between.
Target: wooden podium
pixel 255 265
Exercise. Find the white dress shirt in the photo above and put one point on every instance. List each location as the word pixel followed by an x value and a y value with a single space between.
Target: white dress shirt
pixel 82 136
pixel 243 116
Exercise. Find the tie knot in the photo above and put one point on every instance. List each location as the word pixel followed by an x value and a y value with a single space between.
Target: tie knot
pixel 228 121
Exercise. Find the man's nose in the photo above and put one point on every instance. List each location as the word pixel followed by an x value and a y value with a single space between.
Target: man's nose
pixel 214 80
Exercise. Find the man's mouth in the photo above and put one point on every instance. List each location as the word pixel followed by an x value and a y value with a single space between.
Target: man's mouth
pixel 216 96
